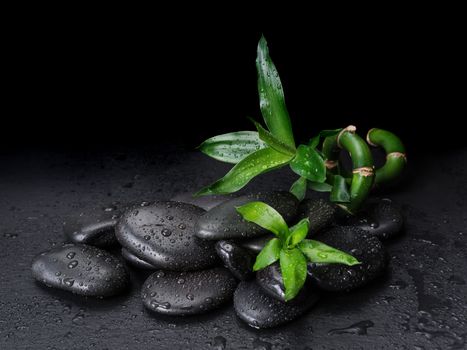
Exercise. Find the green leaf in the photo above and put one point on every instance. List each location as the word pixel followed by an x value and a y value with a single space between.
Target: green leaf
pixel 298 188
pixel 298 232
pixel 271 96
pixel 319 186
pixel 339 192
pixel 265 216
pixel 318 252
pixel 232 147
pixel 309 164
pixel 268 255
pixel 272 141
pixel 293 270
pixel 256 163
pixel 314 141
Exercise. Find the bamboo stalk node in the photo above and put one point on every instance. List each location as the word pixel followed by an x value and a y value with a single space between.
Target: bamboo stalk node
pixel 397 155
pixel 330 164
pixel 364 171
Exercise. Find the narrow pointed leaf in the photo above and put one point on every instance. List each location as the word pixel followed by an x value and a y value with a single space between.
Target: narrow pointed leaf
pixel 271 95
pixel 298 232
pixel 265 216
pixel 298 188
pixel 232 147
pixel 268 255
pixel 293 270
pixel 318 252
pixel 256 163
pixel 340 192
pixel 272 141
pixel 319 186
pixel 309 164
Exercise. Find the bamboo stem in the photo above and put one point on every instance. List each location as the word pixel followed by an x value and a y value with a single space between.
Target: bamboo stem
pixel 362 164
pixel 395 154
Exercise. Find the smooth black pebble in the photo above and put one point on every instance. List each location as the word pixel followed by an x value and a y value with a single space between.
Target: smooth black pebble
pixel 81 269
pixel 270 279
pixel 95 226
pixel 319 212
pixel 188 293
pixel 380 218
pixel 224 222
pixel 162 234
pixel 260 310
pixel 135 261
pixel 205 202
pixel 237 259
pixel 338 277
pixel 256 244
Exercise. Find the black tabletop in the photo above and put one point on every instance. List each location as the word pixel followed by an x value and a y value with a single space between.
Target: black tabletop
pixel 421 303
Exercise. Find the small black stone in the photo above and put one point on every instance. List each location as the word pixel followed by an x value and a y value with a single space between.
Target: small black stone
pixel 81 269
pixel 338 277
pixel 319 212
pixel 95 226
pixel 188 293
pixel 135 261
pixel 259 310
pixel 162 234
pixel 205 202
pixel 257 244
pixel 237 259
pixel 270 279
pixel 380 218
pixel 224 222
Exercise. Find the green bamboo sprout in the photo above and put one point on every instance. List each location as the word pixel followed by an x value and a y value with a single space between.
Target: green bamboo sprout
pixel 257 152
pixel 395 154
pixel 362 164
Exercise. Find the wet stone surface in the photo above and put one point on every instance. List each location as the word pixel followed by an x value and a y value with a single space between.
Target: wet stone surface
pixel 379 217
pixel 205 202
pixel 81 269
pixel 95 226
pixel 260 310
pixel 320 213
pixel 338 277
pixel 420 303
pixel 162 234
pixel 224 222
pixel 270 279
pixel 188 293
pixel 136 262
pixel 256 244
pixel 238 260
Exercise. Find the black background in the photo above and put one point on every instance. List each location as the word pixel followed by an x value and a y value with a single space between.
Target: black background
pixel 85 78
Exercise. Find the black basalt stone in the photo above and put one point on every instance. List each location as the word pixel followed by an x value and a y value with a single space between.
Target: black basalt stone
pixel 224 222
pixel 205 202
pixel 259 310
pixel 95 226
pixel 256 244
pixel 188 293
pixel 270 279
pixel 162 234
pixel 319 212
pixel 237 259
pixel 380 218
pixel 81 269
pixel 338 277
pixel 135 261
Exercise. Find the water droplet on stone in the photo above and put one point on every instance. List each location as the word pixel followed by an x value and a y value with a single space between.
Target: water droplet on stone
pixel 72 264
